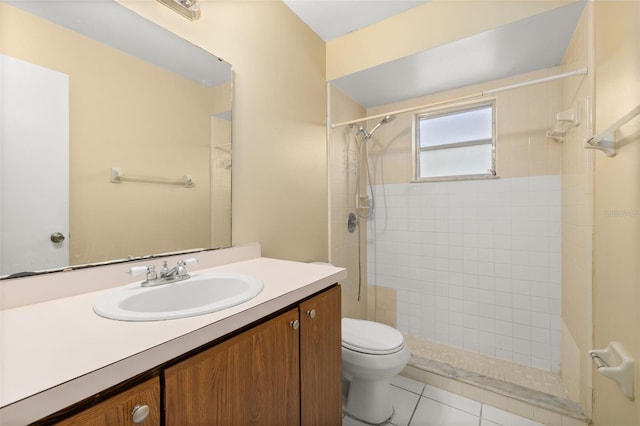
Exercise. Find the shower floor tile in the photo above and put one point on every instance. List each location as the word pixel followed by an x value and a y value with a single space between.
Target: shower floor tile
pixel 539 380
pixel 522 390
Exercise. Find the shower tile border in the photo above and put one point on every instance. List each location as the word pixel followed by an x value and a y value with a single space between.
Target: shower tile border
pixel 532 404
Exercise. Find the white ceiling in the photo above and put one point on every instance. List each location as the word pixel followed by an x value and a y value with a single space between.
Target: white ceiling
pixel 527 45
pixel 334 18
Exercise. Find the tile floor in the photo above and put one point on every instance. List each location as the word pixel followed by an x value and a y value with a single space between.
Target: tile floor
pixel 417 404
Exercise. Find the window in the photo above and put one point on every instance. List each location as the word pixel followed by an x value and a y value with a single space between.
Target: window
pixel 456 142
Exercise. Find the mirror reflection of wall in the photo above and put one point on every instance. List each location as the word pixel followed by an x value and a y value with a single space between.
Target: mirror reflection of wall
pixel 126 112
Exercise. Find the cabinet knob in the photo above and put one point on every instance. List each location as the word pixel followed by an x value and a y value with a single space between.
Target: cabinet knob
pixel 295 324
pixel 139 413
pixel 311 313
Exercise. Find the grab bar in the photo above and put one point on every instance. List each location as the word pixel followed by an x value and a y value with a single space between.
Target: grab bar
pixel 606 140
pixel 117 176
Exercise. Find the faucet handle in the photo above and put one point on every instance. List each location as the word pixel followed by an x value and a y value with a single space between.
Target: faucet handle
pixel 189 261
pixel 137 270
pixel 150 271
pixel 182 270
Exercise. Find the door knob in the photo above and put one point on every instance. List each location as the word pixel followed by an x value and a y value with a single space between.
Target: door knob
pixel 57 237
pixel 311 313
pixel 295 324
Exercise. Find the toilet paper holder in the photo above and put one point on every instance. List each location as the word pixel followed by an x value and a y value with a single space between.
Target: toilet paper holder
pixel 615 363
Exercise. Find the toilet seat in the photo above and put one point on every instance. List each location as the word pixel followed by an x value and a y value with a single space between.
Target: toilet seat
pixel 370 337
pixel 372 353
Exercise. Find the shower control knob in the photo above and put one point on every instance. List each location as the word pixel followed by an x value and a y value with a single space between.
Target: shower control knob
pixel 311 313
pixel 139 413
pixel 295 324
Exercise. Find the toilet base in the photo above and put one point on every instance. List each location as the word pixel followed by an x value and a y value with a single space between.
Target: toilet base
pixel 386 422
pixel 369 401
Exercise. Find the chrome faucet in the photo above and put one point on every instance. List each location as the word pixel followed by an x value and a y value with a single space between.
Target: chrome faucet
pixel 177 273
pixel 166 276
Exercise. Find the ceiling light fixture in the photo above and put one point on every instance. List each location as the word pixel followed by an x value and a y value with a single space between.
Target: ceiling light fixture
pixel 187 8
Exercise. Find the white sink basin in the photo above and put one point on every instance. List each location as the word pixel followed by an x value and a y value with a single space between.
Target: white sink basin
pixel 201 294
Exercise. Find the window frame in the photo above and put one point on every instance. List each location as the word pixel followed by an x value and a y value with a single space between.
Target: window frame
pixel 455 109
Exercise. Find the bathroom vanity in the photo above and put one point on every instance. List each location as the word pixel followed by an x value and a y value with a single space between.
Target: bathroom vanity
pixel 275 359
pixel 284 371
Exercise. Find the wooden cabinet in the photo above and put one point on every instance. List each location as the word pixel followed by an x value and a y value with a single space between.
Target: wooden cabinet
pixel 119 410
pixel 252 378
pixel 285 371
pixel 321 359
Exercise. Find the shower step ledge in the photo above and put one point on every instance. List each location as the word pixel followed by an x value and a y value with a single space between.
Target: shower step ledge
pixel 529 396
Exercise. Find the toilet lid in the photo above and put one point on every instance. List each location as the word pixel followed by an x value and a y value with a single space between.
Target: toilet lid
pixel 370 337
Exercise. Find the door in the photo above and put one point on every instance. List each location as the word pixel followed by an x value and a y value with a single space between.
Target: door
pixel 250 379
pixel 321 359
pixel 34 161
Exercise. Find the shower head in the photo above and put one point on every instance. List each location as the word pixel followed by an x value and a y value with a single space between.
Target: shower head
pixel 385 120
pixel 367 135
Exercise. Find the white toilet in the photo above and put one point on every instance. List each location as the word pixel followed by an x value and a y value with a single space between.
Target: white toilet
pixel 372 353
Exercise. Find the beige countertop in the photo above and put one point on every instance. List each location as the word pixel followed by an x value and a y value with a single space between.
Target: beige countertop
pixel 58 352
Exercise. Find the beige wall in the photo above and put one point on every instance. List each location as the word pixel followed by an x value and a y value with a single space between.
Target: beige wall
pixel 221 166
pixel 577 223
pixel 107 220
pixel 616 269
pixel 221 169
pixel 279 120
pixel 343 244
pixel 523 116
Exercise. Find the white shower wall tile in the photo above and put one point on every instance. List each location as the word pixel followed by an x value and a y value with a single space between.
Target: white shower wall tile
pixel 475 264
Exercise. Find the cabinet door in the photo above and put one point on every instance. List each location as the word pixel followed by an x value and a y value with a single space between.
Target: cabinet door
pixel 250 379
pixel 321 359
pixel 118 410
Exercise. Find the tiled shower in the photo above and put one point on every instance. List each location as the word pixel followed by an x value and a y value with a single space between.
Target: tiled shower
pixel 475 264
pixel 499 267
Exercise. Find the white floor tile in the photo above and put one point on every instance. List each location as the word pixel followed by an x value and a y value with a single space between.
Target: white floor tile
pixel 485 422
pixel 453 400
pixel 437 407
pixel 433 413
pixel 504 418
pixel 404 403
pixel 408 384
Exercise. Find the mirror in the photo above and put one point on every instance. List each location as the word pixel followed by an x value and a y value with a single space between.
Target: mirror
pixel 121 116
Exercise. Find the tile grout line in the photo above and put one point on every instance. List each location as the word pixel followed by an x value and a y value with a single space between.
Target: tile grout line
pixel 413 413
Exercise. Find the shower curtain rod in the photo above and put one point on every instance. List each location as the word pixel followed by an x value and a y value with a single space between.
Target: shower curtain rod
pixel 581 71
